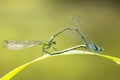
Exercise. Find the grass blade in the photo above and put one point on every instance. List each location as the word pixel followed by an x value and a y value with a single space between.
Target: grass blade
pixel 14 72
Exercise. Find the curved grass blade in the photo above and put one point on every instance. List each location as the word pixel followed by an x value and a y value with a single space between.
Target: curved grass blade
pixel 14 72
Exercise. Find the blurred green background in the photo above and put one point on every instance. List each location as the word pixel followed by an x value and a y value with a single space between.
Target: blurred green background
pixel 39 19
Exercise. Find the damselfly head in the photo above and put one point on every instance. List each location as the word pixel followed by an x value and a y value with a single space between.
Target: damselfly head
pixel 101 50
pixel 95 48
pixel 54 43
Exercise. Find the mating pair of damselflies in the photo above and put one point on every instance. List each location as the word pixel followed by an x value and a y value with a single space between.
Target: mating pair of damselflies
pixel 46 45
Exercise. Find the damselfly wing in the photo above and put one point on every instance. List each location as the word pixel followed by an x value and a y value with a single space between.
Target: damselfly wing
pixel 20 44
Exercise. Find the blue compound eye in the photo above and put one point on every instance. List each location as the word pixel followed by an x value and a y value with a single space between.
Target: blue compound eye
pixel 95 48
pixel 101 50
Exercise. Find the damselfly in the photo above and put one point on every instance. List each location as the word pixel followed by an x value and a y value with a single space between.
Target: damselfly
pixel 86 43
pixel 22 44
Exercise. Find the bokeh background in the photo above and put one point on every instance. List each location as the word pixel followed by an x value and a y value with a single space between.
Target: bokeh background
pixel 39 19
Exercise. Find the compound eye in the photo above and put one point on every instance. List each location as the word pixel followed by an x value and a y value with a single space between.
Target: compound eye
pixel 101 50
pixel 54 42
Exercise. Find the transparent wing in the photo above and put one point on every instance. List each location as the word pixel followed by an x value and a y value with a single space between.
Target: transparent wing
pixel 20 44
pixel 78 24
pixel 73 35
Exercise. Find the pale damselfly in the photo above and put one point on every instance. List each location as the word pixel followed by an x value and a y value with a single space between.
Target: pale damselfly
pixel 22 44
